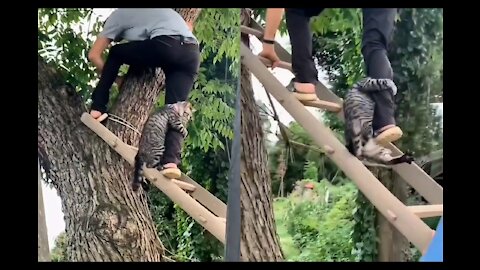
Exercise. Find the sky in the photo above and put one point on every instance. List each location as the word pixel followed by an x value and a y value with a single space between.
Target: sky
pixel 51 200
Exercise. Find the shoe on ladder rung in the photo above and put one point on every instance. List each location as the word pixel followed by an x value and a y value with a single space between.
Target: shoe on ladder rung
pixel 388 136
pixel 100 118
pixel 301 96
pixel 171 173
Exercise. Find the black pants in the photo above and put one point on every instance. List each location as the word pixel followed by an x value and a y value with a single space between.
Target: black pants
pixel 178 59
pixel 378 26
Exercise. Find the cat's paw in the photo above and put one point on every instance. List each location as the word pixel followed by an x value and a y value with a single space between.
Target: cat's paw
pixel 405 158
pixel 145 186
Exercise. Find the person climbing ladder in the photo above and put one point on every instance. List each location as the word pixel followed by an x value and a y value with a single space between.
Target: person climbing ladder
pixel 157 37
pixel 378 26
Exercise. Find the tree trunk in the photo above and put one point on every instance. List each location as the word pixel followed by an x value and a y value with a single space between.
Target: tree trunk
pixel 392 245
pixel 401 246
pixel 43 249
pixel 260 241
pixel 105 220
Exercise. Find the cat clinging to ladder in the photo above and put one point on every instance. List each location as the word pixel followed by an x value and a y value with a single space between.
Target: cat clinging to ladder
pixel 151 146
pixel 358 108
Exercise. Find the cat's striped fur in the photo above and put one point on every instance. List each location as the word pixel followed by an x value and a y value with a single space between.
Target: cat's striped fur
pixel 358 110
pixel 151 146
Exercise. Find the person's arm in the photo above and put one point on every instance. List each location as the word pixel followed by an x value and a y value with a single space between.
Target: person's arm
pixel 112 31
pixel 190 26
pixel 95 53
pixel 273 18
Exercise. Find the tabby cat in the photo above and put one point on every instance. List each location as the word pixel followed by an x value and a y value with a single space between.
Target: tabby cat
pixel 151 146
pixel 358 110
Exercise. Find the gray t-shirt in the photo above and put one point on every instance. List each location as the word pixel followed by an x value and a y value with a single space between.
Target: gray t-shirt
pixel 134 24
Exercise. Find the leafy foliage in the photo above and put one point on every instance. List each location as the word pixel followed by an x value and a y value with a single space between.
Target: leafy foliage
pixel 310 171
pixel 299 156
pixel 419 38
pixel 364 235
pixel 64 38
pixel 59 251
pixel 218 30
pixel 321 225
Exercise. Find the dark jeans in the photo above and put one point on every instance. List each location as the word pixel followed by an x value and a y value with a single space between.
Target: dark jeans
pixel 378 26
pixel 179 60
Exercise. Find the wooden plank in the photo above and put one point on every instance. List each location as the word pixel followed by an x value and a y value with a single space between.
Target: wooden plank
pixel 425 211
pixel 197 211
pixel 250 31
pixel 183 185
pixel 202 195
pixel 282 64
pixel 206 198
pixel 410 173
pixel 388 205
pixel 321 104
pixel 324 105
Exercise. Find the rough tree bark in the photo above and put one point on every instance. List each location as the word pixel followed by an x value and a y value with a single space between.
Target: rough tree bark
pixel 43 250
pixel 105 220
pixel 260 241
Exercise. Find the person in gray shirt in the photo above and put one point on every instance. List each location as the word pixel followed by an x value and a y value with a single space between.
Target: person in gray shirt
pixel 157 37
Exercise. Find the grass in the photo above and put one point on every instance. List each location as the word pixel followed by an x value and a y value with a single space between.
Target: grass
pixel 286 241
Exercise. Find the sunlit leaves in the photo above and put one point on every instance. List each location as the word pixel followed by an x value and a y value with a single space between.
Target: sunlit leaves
pixel 65 35
pixel 213 118
pixel 218 31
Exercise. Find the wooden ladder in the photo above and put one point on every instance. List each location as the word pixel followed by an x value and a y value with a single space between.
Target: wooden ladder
pixel 407 219
pixel 201 205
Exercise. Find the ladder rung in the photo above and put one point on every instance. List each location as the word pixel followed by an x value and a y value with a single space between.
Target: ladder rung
pixel 247 30
pixel 322 104
pixel 183 185
pixel 282 64
pixel 425 211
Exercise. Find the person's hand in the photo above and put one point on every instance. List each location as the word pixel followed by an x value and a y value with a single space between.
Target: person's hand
pixel 269 53
pixel 119 81
pixel 190 26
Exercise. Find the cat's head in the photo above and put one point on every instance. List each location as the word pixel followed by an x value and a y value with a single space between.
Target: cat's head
pixel 185 110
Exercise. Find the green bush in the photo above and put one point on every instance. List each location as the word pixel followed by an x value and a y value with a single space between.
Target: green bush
pixel 59 251
pixel 321 226
pixel 310 170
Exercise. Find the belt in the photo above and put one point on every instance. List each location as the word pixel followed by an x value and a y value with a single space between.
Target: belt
pixel 186 40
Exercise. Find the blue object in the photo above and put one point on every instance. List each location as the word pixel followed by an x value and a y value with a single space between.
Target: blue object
pixel 435 250
pixel 233 226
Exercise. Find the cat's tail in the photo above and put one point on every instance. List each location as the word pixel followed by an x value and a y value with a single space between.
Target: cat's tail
pixel 137 173
pixel 374 85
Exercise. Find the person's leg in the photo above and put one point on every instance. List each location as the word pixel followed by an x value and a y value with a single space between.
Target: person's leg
pixel 179 82
pixel 378 27
pixel 140 53
pixel 303 66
